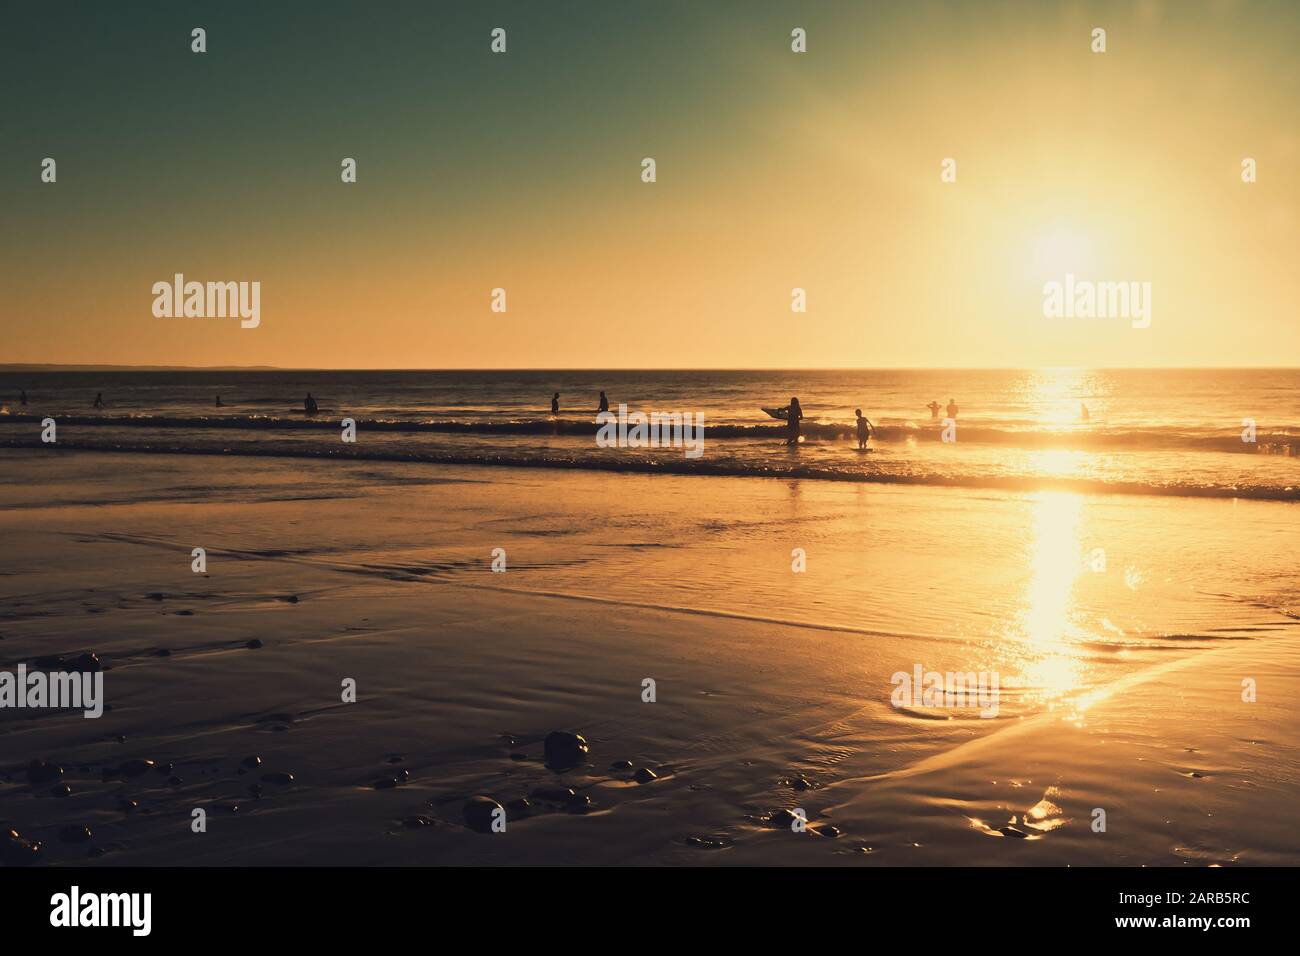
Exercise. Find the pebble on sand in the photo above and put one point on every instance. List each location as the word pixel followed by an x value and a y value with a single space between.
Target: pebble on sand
pixel 74 834
pixel 85 663
pixel 479 813
pixel 645 775
pixel 278 777
pixel 564 750
pixel 621 765
pixel 251 762
pixel 553 794
pixel 1013 832
pixel 254 644
pixel 564 796
pixel 781 819
pixel 133 768
pixel 710 842
pixel 581 803
pixel 17 851
pixel 38 771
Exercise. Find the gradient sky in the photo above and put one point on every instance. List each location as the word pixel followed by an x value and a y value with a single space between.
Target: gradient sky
pixel 775 170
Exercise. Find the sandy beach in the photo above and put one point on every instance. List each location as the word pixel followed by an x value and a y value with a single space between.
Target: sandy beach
pixel 1121 690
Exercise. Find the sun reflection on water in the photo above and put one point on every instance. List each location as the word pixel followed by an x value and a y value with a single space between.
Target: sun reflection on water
pixel 1057 395
pixel 1051 666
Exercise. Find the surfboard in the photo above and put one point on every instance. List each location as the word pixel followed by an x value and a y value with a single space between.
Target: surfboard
pixel 778 413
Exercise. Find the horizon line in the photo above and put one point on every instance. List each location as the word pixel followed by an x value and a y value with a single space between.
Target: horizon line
pixel 89 366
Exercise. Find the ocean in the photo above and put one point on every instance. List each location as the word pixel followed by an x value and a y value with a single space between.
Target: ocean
pixel 1138 642
pixel 1154 432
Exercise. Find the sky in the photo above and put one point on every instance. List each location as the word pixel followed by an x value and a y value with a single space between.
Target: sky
pixel 775 170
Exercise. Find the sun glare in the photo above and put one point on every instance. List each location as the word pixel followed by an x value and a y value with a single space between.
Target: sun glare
pixel 1050 667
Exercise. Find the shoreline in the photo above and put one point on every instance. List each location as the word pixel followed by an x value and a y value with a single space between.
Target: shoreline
pixel 697 468
pixel 381 575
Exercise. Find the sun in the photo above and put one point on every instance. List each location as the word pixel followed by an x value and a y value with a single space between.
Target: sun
pixel 1063 249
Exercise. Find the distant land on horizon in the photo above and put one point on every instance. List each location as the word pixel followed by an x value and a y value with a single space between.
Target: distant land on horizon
pixel 74 367
pixel 57 367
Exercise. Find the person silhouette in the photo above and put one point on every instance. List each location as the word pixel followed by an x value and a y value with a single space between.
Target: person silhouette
pixel 555 404
pixel 99 400
pixel 952 408
pixel 309 405
pixel 864 428
pixel 604 403
pixel 934 409
pixel 22 397
pixel 792 416
pixel 218 401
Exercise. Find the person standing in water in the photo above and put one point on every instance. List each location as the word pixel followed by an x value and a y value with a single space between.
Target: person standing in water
pixel 218 401
pixel 792 416
pixel 309 405
pixel 604 403
pixel 952 408
pixel 1083 412
pixel 934 409
pixel 555 404
pixel 864 428
pixel 99 400
pixel 22 397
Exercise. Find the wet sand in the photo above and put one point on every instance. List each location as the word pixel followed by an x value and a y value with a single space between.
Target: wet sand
pixel 381 574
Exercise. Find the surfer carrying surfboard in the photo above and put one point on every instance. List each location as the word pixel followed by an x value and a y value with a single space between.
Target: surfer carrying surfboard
pixel 792 417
